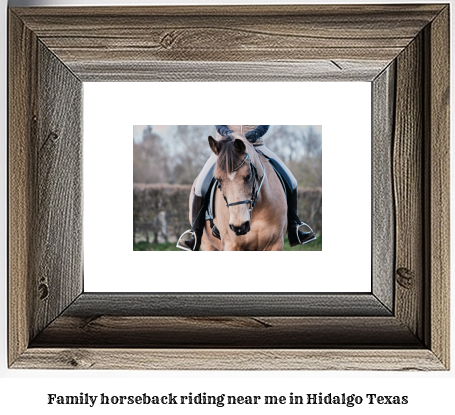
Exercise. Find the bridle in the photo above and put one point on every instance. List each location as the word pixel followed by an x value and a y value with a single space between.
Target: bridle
pixel 256 187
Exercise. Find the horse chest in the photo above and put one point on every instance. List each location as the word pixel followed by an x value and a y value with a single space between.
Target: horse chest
pixel 260 238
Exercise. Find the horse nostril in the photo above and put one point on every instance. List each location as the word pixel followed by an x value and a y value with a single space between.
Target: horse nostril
pixel 243 229
pixel 234 229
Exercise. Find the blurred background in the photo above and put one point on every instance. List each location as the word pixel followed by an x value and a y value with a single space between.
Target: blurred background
pixel 168 158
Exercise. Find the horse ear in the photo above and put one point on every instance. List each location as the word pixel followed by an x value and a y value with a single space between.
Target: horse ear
pixel 239 145
pixel 214 145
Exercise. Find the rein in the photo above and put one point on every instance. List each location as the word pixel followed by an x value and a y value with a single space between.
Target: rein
pixel 254 191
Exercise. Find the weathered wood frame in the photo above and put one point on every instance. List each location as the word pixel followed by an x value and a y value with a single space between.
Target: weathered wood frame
pixel 403 50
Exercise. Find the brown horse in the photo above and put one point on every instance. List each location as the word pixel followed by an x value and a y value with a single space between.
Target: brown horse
pixel 250 204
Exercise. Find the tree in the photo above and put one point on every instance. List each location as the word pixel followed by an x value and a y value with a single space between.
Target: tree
pixel 301 150
pixel 189 153
pixel 150 164
pixel 179 156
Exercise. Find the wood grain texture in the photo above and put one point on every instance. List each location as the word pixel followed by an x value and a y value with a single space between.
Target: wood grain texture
pixel 58 204
pixel 53 49
pixel 108 37
pixel 45 187
pixel 437 203
pixel 257 332
pixel 408 188
pixel 235 359
pixel 383 215
pixel 311 70
pixel 215 305
pixel 22 95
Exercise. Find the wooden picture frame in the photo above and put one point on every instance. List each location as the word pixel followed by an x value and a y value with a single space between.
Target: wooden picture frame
pixel 402 324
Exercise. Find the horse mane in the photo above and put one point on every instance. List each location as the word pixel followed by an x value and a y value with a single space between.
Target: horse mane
pixel 228 158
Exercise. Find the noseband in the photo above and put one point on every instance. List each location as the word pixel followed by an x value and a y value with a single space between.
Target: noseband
pixel 256 188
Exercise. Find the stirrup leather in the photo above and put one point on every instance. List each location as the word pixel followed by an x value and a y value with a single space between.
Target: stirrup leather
pixel 182 245
pixel 311 232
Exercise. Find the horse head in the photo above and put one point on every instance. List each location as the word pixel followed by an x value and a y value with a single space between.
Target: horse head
pixel 236 175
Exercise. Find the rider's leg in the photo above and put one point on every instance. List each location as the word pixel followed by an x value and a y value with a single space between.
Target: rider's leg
pixel 295 235
pixel 203 174
pixel 198 209
pixel 270 154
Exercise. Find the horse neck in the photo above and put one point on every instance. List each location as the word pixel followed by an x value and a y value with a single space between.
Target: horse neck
pixel 261 167
pixel 255 158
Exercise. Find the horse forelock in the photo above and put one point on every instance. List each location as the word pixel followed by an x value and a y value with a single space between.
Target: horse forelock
pixel 229 158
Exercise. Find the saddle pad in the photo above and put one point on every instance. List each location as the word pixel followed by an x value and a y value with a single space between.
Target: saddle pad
pixel 280 172
pixel 209 213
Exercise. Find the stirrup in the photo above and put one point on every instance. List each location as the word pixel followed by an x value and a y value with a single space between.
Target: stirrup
pixel 182 245
pixel 312 238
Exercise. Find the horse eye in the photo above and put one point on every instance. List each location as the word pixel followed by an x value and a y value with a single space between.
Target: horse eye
pixel 248 178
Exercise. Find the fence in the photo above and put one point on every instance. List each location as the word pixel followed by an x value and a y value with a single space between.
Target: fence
pixel 160 211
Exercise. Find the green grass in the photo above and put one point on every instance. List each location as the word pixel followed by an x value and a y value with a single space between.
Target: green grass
pixel 170 246
pixel 310 246
pixel 146 246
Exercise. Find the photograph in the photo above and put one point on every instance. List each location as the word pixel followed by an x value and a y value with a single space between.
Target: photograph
pixel 227 187
pixel 372 79
pixel 175 172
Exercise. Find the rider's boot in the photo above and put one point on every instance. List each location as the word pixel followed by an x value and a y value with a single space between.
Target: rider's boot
pixel 296 236
pixel 196 231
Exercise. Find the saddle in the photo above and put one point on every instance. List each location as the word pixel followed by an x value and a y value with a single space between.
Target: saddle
pixel 210 185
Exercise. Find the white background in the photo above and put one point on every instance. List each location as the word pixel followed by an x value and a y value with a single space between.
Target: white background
pixel 25 391
pixel 343 110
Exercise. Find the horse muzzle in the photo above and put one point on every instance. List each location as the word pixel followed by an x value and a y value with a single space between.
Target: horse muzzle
pixel 243 229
